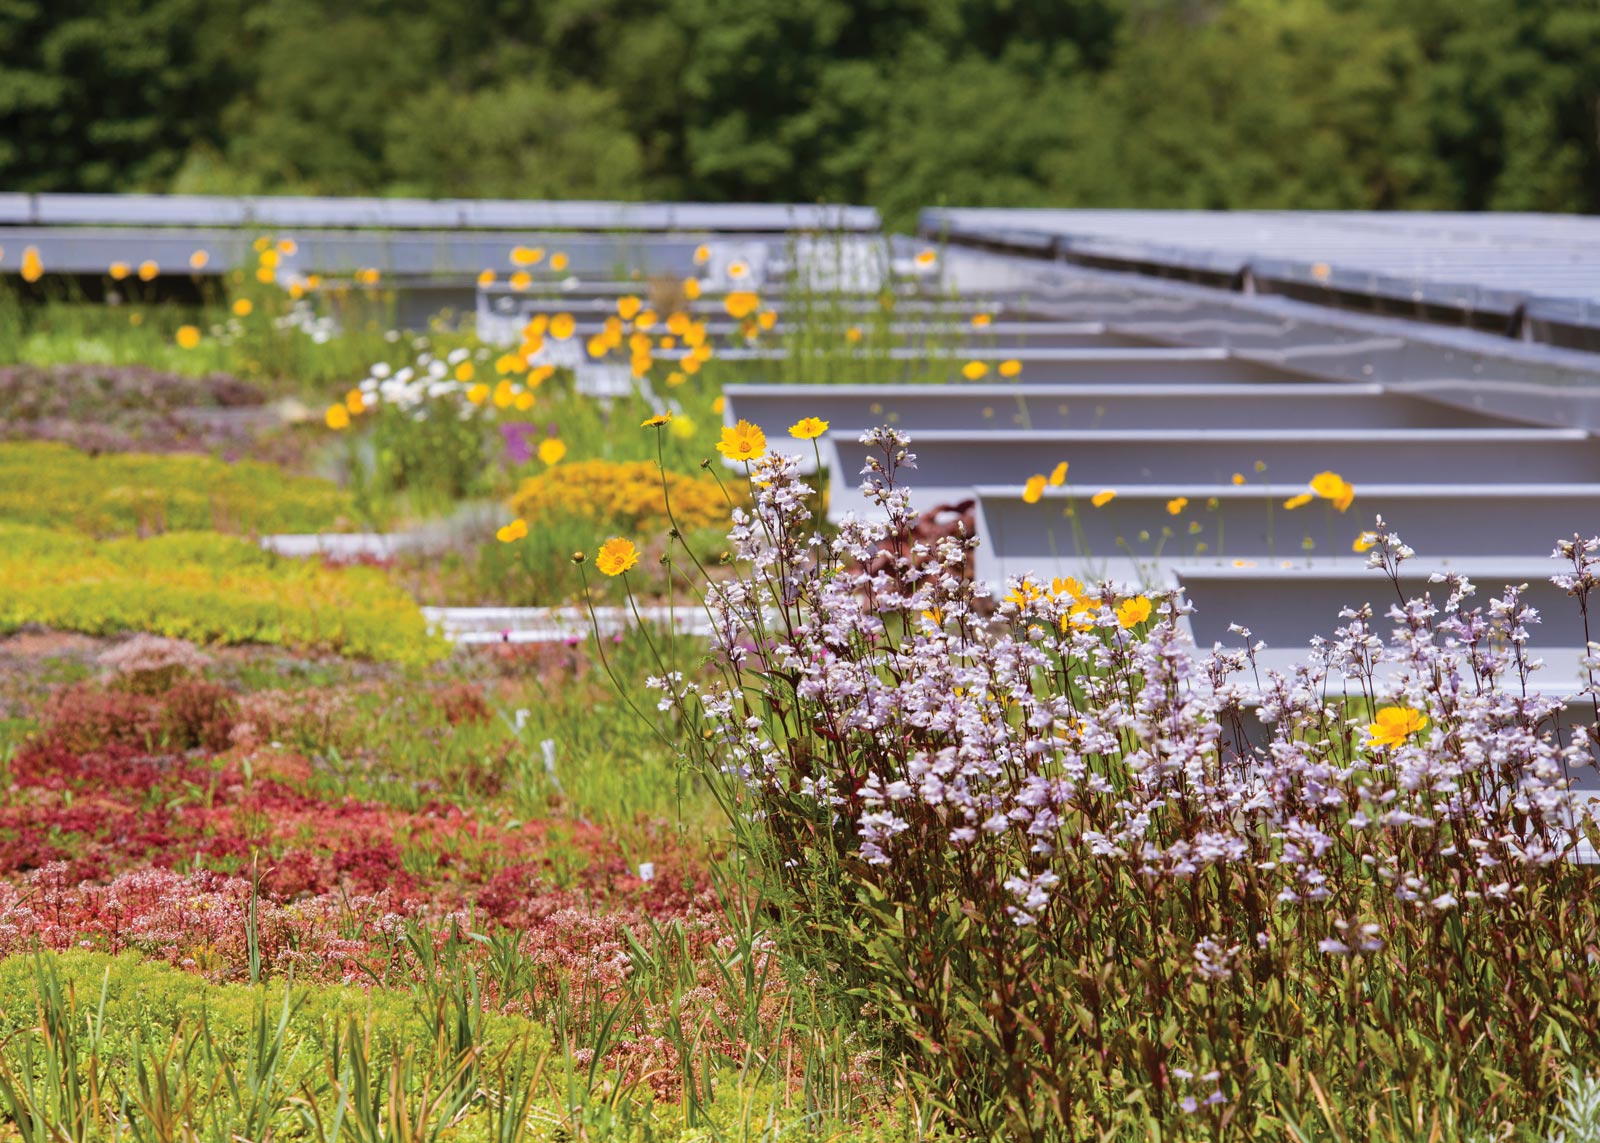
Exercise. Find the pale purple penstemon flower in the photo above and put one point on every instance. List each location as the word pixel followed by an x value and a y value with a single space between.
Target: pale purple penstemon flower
pixel 1011 757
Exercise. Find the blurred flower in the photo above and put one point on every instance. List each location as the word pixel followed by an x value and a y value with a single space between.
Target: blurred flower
pixel 740 304
pixel 562 326
pixel 527 255
pixel 629 307
pixel 1238 478
pixel 188 336
pixel 515 434
pixel 486 278
pixel 974 370
pixel 521 280
pixel 551 450
pixel 513 531
pixel 1010 368
pixel 478 394
pixel 558 261
pixel 853 334
pixel 926 258
pixel 1176 505
pixel 767 318
pixel 148 271
pixel 242 307
pixel 1299 501
pixel 355 402
pixel 1103 497
pixel 1058 475
pixel 1033 491
pixel 691 288
pixel 616 556
pixel 119 271
pixel 702 254
pixel 717 405
pixel 981 321
pixel 465 371
pixel 338 417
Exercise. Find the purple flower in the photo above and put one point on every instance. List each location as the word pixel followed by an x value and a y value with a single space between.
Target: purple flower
pixel 515 434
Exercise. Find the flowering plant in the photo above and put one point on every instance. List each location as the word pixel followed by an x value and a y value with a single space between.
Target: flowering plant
pixel 1091 877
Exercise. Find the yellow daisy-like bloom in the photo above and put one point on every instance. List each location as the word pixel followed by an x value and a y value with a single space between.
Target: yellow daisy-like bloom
pixel 551 450
pixel 742 441
pixel 542 374
pixel 466 371
pixel 656 421
pixel 691 288
pixel 646 320
pixel 265 275
pixel 1080 616
pixel 1058 475
pixel 1176 505
pixel 369 276
pixel 1024 593
pixel 934 616
pixel 524 401
pixel 1132 612
pixel 148 271
pixel 1103 497
pixel 1394 724
pixel 1364 542
pixel 338 417
pixel 678 323
pixel 1299 501
pixel 521 280
pixel 504 395
pixel 674 379
pixel 558 261
pixel 808 429
pixel 682 428
pixel 927 257
pixel 119 271
pixel 1238 478
pixel 261 244
pixel 1066 587
pixel 741 304
pixel 355 402
pixel 616 556
pixel 527 255
pixel 767 319
pixel 198 260
pixel 1332 486
pixel 853 334
pixel 242 307
pixel 597 345
pixel 486 278
pixel 718 405
pixel 561 326
pixel 629 307
pixel 702 254
pixel 478 394
pixel 188 336
pixel 1010 368
pixel 288 246
pixel 509 363
pixel 269 257
pixel 691 366
pixel 1033 491
pixel 974 370
pixel 738 270
pixel 512 532
pixel 981 321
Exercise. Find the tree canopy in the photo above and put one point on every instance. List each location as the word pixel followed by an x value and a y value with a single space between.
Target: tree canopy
pixel 1445 104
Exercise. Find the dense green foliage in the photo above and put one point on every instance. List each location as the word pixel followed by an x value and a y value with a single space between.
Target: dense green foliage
pixel 1200 103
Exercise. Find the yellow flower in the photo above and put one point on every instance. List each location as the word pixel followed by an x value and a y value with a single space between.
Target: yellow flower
pixel 741 304
pixel 478 394
pixel 1332 486
pixel 1081 614
pixel 504 395
pixel 674 379
pixel 678 323
pixel 974 370
pixel 269 257
pixel 742 441
pixel 558 261
pixel 527 255
pixel 561 326
pixel 261 243
pixel 767 319
pixel 1010 368
pixel 702 254
pixel 717 405
pixel 629 307
pixel 1058 475
pixel 1033 491
pixel 1066 586
pixel 853 334
pixel 188 336
pixel 368 277
pixel 597 345
pixel 524 401
pixel 1133 612
pixel 355 402
pixel 1238 478
pixel 1364 541
pixel 1024 593
pixel 1103 497
pixel 934 616
pixel 338 417
pixel 465 371
pixel 198 260
pixel 551 450
pixel 1176 505
pixel 512 532
pixel 656 421
pixel 242 307
pixel 691 288
pixel 288 246
pixel 486 278
pixel 682 428
pixel 521 280
pixel 616 556
pixel 808 429
pixel 119 271
pixel 265 276
pixel 542 374
pixel 738 270
pixel 981 321
pixel 1299 501
pixel 148 271
pixel 1394 725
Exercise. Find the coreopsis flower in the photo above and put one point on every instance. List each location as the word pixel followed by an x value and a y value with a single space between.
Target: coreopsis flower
pixel 486 278
pixel 269 258
pixel 1238 478
pixel 1058 475
pixel 628 307
pixel 524 401
pixel 369 276
pixel 527 255
pixel 1132 612
pixel 702 254
pixel 119 271
pixel 337 417
pixel 742 441
pixel 1176 505
pixel 691 288
pixel 356 402
pixel 1010 368
pixel 1066 587
pixel 616 556
pixel 521 280
pixel 974 370
pixel 551 450
pixel 1033 490
pixel 562 326
pixel 512 532
pixel 1103 497
pixel 558 261
pixel 981 321
pixel 148 271
pixel 465 371
pixel 767 319
pixel 261 243
pixel 286 246
pixel 738 270
pixel 808 429
pixel 188 336
pixel 926 258
pixel 1299 501
pixel 242 307
pixel 718 404
pixel 740 304
pixel 478 394
pixel 1394 724
pixel 1363 542
pixel 656 421
pixel 1332 486
pixel 198 260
